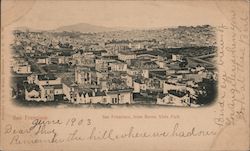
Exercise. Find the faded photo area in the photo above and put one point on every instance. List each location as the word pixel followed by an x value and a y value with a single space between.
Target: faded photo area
pixel 88 63
pixel 144 75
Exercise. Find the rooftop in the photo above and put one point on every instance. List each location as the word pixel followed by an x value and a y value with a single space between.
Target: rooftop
pixel 139 81
pixel 177 93
pixel 47 77
pixel 120 91
pixel 30 87
pixel 69 81
pixel 127 53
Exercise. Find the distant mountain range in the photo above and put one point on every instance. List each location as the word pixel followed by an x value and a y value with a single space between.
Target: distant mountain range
pixel 89 28
pixel 84 27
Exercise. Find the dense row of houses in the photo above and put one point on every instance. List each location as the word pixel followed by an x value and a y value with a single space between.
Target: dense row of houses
pixel 47 87
pixel 20 65
pixel 106 71
pixel 113 82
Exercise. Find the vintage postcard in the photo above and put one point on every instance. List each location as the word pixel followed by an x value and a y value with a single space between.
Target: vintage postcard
pixel 124 75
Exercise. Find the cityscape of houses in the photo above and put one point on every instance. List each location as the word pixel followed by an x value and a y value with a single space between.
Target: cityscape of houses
pixel 171 67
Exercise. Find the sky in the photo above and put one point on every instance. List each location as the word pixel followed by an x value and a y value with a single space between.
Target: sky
pixel 130 14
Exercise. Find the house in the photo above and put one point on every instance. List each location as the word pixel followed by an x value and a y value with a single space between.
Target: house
pixel 182 71
pixel 129 80
pixel 176 57
pixel 133 71
pixel 88 54
pixel 120 96
pixel 157 73
pixel 110 56
pixel 196 77
pixel 154 83
pixel 31 95
pixel 28 49
pixel 145 73
pixel 163 99
pixel 139 85
pixel 104 84
pixel 149 65
pixel 173 86
pixel 22 68
pixel 32 92
pixel 43 87
pixel 47 79
pixel 197 69
pixel 176 98
pixel 92 97
pixel 68 85
pixel 51 92
pixel 83 75
pixel 161 64
pixel 101 65
pixel 115 82
pixel 61 60
pixel 87 96
pixel 135 45
pixel 86 61
pixel 47 93
pixel 58 89
pixel 43 60
pixel 32 78
pixel 54 60
pixel 79 95
pixel 124 56
pixel 101 76
pixel 146 56
pixel 118 66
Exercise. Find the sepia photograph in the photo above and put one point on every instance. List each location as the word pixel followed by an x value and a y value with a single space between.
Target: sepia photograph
pixel 100 65
pixel 121 75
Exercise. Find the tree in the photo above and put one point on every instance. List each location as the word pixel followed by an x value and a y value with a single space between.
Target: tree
pixel 183 63
pixel 208 88
pixel 81 51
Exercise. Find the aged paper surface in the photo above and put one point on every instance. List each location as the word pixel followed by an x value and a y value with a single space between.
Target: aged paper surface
pixel 124 75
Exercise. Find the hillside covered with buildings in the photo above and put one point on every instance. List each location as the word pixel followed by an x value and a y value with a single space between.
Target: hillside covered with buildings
pixel 167 66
